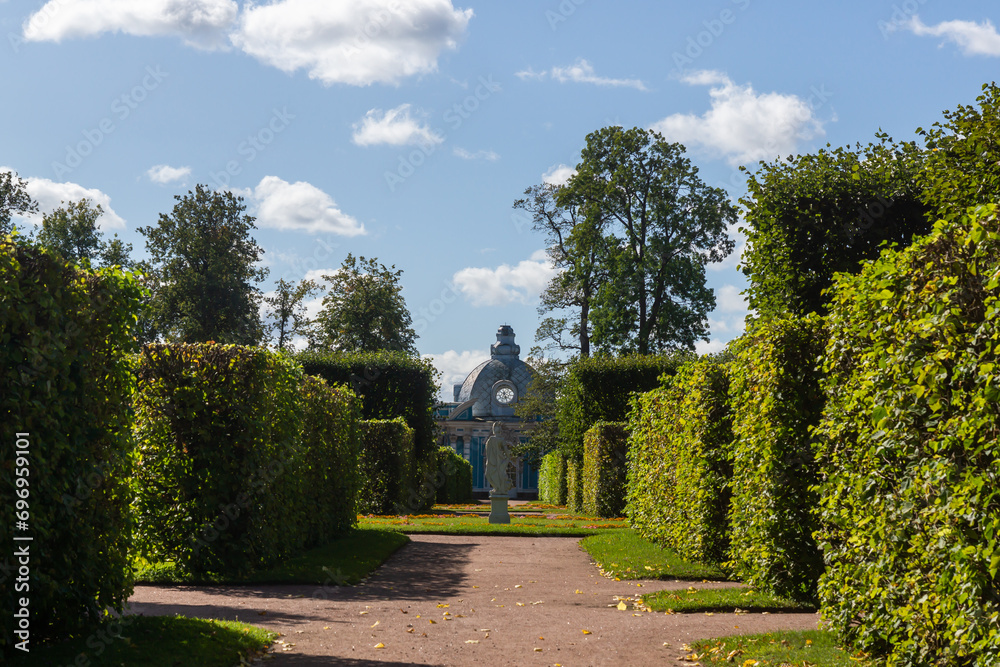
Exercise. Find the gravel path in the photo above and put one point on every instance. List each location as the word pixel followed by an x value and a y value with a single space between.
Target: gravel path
pixel 466 600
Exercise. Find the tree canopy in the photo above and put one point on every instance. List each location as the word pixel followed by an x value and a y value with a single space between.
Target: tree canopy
pixel 364 310
pixel 14 200
pixel 632 230
pixel 286 310
pixel 72 231
pixel 205 272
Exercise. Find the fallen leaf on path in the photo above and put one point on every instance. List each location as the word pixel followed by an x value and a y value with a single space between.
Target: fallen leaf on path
pixel 471 641
pixel 520 604
pixel 587 632
pixel 432 621
pixel 538 650
pixel 380 645
pixel 375 623
pixel 579 592
pixel 442 606
pixel 409 629
pixel 622 606
pixel 517 586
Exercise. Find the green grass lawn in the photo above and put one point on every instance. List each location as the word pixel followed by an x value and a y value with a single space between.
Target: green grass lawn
pixel 724 600
pixel 156 641
pixel 345 561
pixel 809 648
pixel 625 555
pixel 474 520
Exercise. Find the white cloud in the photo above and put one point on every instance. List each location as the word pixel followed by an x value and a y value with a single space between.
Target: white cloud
pixel 51 195
pixel 317 274
pixel 711 347
pixel 300 206
pixel 742 125
pixel 975 39
pixel 558 175
pixel 579 72
pixel 506 284
pixel 165 174
pixel 454 367
pixel 357 43
pixel 200 23
pixel 478 155
pixel 394 127
pixel 729 300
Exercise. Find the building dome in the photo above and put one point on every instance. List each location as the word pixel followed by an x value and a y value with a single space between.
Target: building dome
pixel 496 384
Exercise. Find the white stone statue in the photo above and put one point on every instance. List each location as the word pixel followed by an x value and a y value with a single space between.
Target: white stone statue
pixel 497 462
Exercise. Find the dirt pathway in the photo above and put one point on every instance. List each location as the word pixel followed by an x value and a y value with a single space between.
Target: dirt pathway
pixel 464 600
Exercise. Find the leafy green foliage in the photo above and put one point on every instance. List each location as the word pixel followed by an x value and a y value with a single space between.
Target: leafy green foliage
pixel 14 200
pixel 653 226
pixel 574 485
pixel 538 406
pixel 65 383
pixel 600 388
pixel 680 437
pixel 776 401
pixel 204 261
pixel 455 483
pixel 552 479
pixel 71 230
pixel 364 310
pixel 909 448
pixel 286 311
pixel 810 216
pixel 387 466
pixel 390 384
pixel 222 461
pixel 605 447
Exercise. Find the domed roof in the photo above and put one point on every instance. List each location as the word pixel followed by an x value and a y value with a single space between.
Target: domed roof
pixel 503 369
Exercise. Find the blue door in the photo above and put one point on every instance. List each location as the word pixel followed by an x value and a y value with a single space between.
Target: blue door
pixel 476 459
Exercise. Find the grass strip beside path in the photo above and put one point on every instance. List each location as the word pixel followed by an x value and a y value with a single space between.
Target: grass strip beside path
pixel 809 648
pixel 723 600
pixel 156 641
pixel 345 561
pixel 625 555
pixel 461 523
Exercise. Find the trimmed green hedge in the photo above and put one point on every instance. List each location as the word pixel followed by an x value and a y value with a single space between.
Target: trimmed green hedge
pixel 455 482
pixel 910 445
pixel 65 382
pixel 776 401
pixel 678 476
pixel 574 485
pixel 331 477
pixel 552 479
pixel 387 465
pixel 599 389
pixel 390 384
pixel 604 469
pixel 218 476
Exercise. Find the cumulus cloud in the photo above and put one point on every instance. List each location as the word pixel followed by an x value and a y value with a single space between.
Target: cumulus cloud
pixel 357 43
pixel 200 23
pixel 579 72
pixel 478 155
pixel 975 39
pixel 50 195
pixel 454 367
pixel 729 300
pixel 395 127
pixel 558 175
pixel 743 125
pixel 164 174
pixel 300 206
pixel 506 284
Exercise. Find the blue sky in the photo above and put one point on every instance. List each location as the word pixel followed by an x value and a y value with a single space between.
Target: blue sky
pixel 404 130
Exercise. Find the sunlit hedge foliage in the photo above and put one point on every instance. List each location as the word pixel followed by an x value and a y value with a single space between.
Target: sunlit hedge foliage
pixel 678 474
pixel 387 465
pixel 910 504
pixel 65 383
pixel 552 479
pixel 604 468
pixel 454 481
pixel 776 401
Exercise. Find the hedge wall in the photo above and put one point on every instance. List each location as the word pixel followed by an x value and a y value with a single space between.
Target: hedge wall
pixel 552 479
pixel 455 483
pixel 390 384
pixel 599 389
pixel 910 500
pixel 604 469
pixel 387 464
pixel 65 383
pixel 574 485
pixel 776 401
pixel 330 476
pixel 678 475
pixel 218 477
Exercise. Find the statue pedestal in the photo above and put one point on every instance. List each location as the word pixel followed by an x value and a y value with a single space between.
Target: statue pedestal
pixel 498 509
